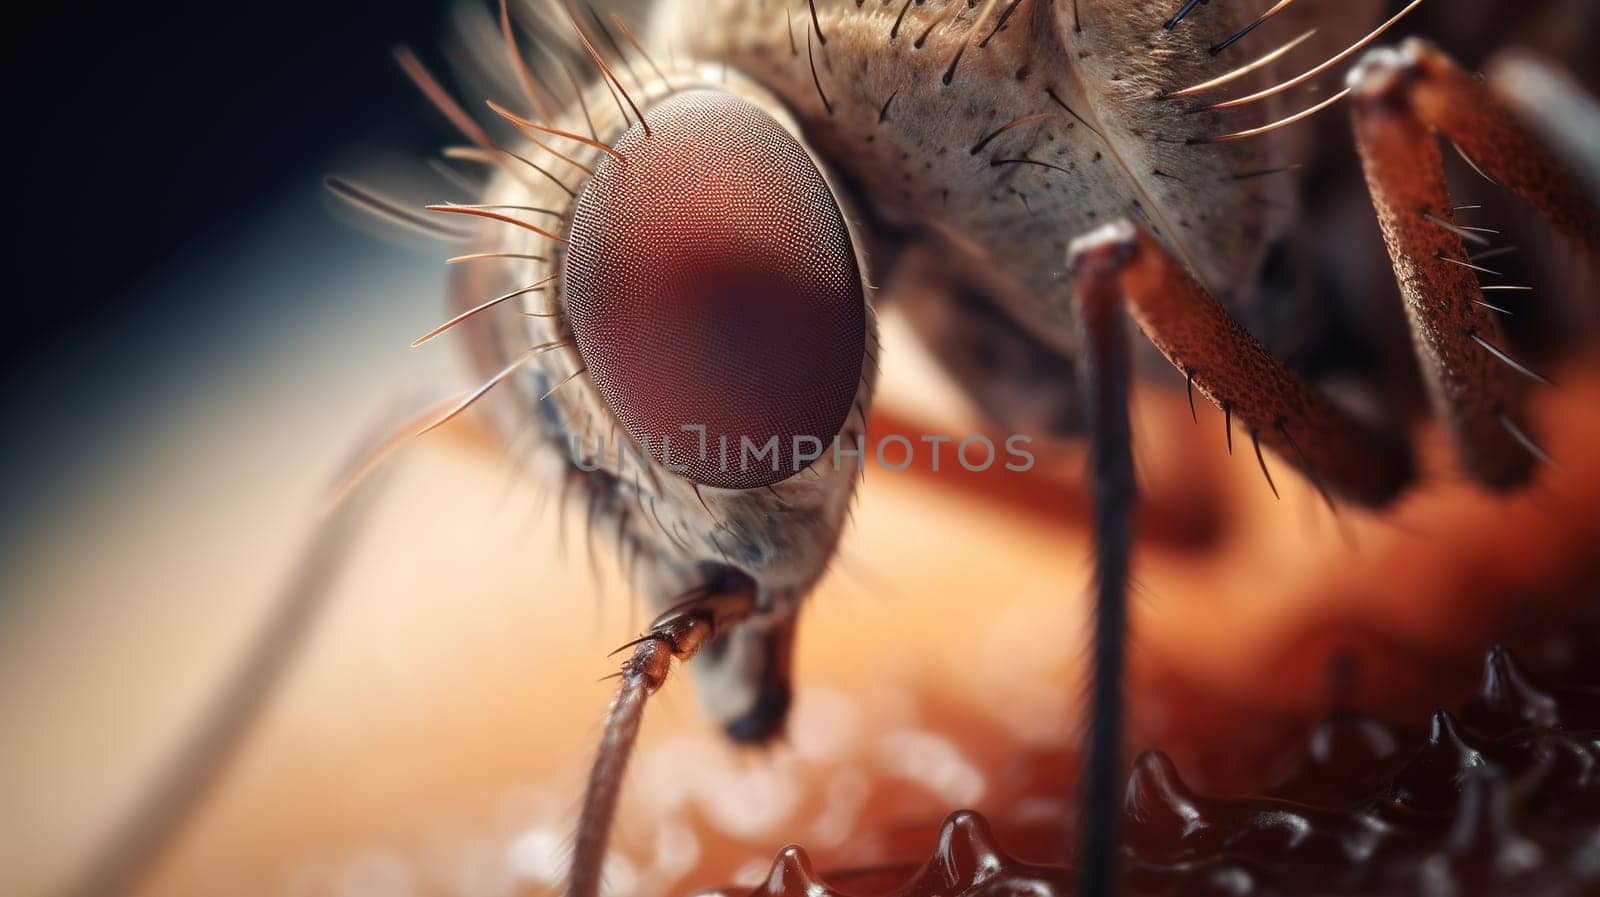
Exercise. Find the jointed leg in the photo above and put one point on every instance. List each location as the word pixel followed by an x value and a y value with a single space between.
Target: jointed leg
pixel 1336 450
pixel 1399 97
pixel 1104 372
pixel 1474 390
pixel 678 634
pixel 1556 109
pixel 1421 82
pixel 1120 267
pixel 1476 387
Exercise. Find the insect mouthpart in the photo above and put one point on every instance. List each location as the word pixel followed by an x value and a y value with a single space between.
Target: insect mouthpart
pixel 714 293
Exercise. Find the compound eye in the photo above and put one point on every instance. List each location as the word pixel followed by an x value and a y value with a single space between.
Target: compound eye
pixel 711 282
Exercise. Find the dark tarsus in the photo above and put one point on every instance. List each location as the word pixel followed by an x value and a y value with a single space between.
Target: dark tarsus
pixel 1105 377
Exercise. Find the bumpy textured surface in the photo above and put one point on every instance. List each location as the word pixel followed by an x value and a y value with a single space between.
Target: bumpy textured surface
pixel 711 283
pixel 1502 797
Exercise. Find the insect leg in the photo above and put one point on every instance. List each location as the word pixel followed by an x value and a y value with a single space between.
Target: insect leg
pixel 1477 388
pixel 1555 108
pixel 1103 377
pixel 1340 452
pixel 1120 267
pixel 1421 82
pixel 679 634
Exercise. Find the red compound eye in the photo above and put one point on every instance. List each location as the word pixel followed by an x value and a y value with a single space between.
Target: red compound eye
pixel 710 281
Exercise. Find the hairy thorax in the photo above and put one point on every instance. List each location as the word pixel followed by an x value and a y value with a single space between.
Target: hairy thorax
pixel 1002 130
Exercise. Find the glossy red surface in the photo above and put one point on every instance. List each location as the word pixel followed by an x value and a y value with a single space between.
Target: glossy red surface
pixel 1501 797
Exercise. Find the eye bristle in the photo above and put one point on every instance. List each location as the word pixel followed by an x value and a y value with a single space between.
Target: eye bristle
pixel 711 282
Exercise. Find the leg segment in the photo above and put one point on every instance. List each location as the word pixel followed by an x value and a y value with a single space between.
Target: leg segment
pixel 678 634
pixel 1475 387
pixel 1556 109
pixel 1104 372
pixel 1438 93
pixel 1336 450
pixel 1121 267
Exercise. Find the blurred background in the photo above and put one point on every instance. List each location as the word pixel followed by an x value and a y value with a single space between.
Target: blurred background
pixel 154 145
pixel 192 343
pixel 198 337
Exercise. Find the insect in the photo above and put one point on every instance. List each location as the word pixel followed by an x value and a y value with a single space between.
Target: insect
pixel 695 244
pixel 1054 166
pixel 688 232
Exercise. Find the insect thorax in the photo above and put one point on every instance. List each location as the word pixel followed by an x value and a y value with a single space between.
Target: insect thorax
pixel 1003 130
